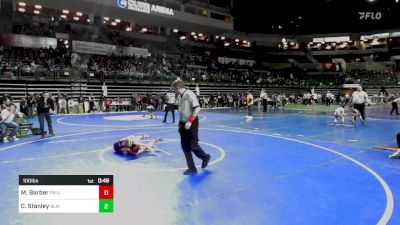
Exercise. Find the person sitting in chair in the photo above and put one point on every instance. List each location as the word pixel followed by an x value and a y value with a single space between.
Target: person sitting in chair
pixel 7 121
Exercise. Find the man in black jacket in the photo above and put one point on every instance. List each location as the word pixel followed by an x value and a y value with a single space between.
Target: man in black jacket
pixel 45 108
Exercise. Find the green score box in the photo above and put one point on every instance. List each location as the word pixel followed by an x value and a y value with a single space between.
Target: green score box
pixel 106 205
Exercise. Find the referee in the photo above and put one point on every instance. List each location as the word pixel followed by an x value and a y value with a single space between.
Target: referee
pixel 359 98
pixel 189 109
pixel 395 106
pixel 170 99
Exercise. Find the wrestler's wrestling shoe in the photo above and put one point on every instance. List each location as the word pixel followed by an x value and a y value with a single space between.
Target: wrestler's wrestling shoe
pixel 395 155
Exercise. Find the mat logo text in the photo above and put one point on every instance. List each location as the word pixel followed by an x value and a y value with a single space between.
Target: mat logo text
pixel 370 15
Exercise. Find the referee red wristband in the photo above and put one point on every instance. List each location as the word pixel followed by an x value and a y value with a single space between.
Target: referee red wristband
pixel 191 119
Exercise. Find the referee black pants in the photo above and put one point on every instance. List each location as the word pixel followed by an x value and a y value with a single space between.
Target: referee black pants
pixel 265 105
pixel 398 139
pixel 394 107
pixel 169 107
pixel 190 143
pixel 361 108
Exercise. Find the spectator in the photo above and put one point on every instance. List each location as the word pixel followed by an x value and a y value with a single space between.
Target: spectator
pixel 7 121
pixel 23 106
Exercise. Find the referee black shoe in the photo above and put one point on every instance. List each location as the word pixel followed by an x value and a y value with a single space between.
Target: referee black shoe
pixel 189 172
pixel 205 162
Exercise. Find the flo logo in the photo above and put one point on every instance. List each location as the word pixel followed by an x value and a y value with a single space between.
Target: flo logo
pixel 370 15
pixel 122 3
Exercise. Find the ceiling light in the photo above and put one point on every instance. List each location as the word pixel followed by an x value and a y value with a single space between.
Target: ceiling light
pixel 65 11
pixel 283 40
pixel 36 12
pixel 175 30
pixel 38 6
pixel 182 38
pixel 244 42
pixel 128 29
pixel 117 20
pixel 106 18
pixel 144 29
pixel 195 36
pixel 222 38
pixel 88 20
pixel 64 16
pixel 76 18
pixel 66 42
pixel 22 4
pixel 237 40
pixel 193 33
pixel 200 35
pixel 226 44
pixel 114 23
pixel 21 9
pixel 79 14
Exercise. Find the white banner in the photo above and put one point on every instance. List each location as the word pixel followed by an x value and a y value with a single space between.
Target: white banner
pixel 132 51
pixel 241 62
pixel 62 36
pixel 27 41
pixel 92 48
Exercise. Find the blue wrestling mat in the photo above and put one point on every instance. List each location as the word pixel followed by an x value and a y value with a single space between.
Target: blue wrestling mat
pixel 278 168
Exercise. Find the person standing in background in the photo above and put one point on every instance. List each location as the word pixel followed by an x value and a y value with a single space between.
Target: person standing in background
pixel 264 100
pixel 23 106
pixel 45 108
pixel 91 103
pixel 249 102
pixel 358 99
pixel 170 100
pixel 31 102
pixel 62 103
pixel 395 107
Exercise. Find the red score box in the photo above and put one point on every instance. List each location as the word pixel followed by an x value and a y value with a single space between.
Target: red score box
pixel 106 192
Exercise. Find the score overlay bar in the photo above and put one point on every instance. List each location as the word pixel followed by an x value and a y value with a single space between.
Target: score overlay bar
pixel 66 194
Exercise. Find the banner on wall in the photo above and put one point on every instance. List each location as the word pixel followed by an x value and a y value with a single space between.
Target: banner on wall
pixel 27 41
pixel 92 48
pixel 132 51
pixel 62 36
pixel 241 62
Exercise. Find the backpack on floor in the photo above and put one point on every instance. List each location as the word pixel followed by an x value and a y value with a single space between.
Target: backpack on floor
pixel 37 131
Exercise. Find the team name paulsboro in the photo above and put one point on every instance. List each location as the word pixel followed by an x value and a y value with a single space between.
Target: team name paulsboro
pixel 38 206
